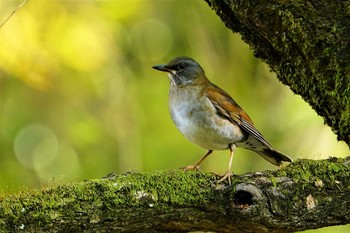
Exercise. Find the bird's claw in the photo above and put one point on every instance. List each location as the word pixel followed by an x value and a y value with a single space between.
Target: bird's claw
pixel 193 167
pixel 225 176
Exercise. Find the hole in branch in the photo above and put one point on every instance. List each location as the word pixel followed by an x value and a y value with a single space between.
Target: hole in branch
pixel 243 199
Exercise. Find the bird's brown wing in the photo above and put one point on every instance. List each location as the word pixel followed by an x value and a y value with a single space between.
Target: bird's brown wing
pixel 226 107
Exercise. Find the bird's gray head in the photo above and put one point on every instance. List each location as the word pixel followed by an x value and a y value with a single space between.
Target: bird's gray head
pixel 182 71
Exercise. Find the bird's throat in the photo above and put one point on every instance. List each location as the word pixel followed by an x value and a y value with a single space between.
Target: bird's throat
pixel 175 79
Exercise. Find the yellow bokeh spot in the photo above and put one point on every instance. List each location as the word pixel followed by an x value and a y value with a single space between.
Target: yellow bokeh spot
pixel 82 47
pixel 23 54
pixel 121 9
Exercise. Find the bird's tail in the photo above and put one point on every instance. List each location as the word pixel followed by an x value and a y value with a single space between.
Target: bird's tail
pixel 273 156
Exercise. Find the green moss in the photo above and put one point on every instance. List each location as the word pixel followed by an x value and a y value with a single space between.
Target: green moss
pixel 124 196
pixel 125 190
pixel 310 170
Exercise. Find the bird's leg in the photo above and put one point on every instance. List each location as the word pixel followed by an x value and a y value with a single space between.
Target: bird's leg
pixel 196 165
pixel 228 173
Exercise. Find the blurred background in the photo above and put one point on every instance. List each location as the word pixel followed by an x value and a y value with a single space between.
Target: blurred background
pixel 79 99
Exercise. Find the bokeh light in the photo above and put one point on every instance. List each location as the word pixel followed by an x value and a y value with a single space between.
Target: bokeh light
pixel 79 99
pixel 36 146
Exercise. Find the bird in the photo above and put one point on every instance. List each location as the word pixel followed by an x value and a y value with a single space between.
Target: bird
pixel 209 117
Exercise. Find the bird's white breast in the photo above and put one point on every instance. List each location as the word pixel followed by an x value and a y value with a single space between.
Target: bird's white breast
pixel 196 118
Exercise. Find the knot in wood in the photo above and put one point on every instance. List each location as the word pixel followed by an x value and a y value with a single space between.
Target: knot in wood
pixel 246 195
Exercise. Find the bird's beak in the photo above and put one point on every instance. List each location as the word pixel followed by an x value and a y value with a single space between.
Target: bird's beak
pixel 163 68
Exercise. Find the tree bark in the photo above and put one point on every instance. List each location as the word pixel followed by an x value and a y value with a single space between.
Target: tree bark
pixel 307 44
pixel 304 195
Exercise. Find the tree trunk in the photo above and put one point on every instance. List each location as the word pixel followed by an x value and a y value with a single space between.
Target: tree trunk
pixel 305 195
pixel 307 44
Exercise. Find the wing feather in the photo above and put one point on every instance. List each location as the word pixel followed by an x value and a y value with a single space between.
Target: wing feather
pixel 226 107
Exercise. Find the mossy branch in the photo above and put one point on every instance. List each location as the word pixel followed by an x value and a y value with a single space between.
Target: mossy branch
pixel 307 44
pixel 304 195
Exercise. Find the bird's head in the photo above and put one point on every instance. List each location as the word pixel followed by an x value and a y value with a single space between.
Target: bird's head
pixel 183 71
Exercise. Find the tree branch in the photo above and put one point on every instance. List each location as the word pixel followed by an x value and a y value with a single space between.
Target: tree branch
pixel 13 12
pixel 307 44
pixel 305 195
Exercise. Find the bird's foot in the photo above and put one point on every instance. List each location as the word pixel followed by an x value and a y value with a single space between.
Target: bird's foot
pixel 193 167
pixel 227 176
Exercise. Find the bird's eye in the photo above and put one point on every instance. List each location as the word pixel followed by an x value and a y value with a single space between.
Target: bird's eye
pixel 181 66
